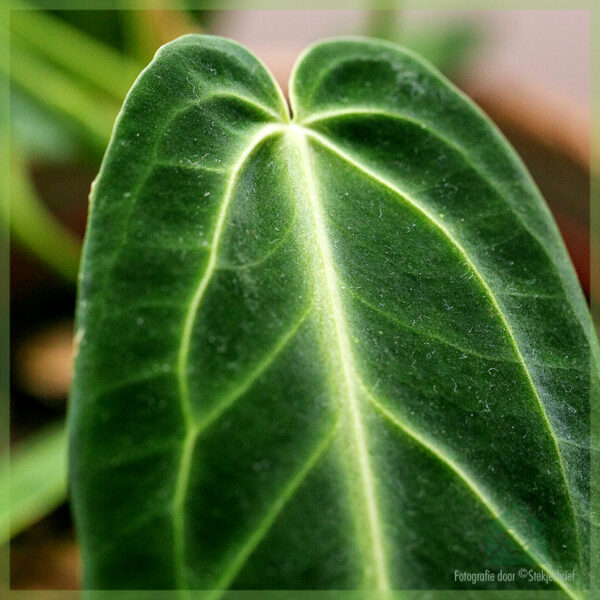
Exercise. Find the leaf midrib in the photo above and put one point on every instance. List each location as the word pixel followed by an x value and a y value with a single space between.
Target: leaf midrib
pixel 330 288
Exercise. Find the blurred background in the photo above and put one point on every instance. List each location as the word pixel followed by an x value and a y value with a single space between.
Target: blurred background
pixel 69 72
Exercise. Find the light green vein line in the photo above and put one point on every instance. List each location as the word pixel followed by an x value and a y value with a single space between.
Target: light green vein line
pixel 269 519
pixel 259 261
pixel 181 485
pixel 113 543
pixel 331 286
pixel 184 466
pixel 473 486
pixel 244 100
pixel 382 181
pixel 347 112
pixel 140 377
pixel 446 342
pixel 184 348
pixel 261 368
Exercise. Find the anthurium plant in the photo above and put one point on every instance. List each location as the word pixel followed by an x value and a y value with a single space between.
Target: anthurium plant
pixel 335 344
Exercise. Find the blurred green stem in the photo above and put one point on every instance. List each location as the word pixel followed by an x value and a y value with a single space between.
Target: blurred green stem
pixel 383 24
pixel 141 39
pixel 62 94
pixel 36 477
pixel 37 228
pixel 74 51
pixel 147 30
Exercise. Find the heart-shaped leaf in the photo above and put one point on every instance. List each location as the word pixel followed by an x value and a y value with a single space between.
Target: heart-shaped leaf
pixel 345 349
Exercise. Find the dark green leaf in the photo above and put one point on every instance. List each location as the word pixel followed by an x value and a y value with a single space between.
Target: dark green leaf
pixel 346 350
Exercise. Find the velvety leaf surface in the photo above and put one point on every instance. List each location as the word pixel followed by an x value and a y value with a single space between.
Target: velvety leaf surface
pixel 342 350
